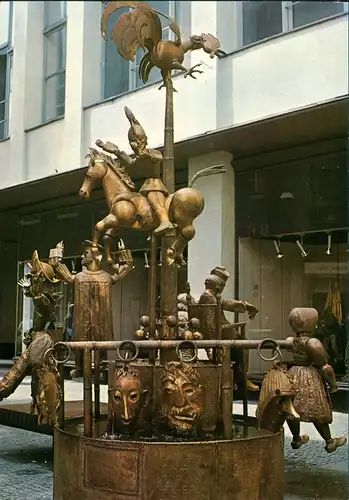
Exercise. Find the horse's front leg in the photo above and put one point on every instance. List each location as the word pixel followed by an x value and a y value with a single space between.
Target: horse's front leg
pixel 102 226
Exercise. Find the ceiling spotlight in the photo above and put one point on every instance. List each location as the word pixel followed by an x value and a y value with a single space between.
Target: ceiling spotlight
pixel 279 254
pixel 301 248
pixel 329 242
pixel 146 260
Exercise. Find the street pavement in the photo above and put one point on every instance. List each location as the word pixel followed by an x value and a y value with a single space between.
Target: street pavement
pixel 26 458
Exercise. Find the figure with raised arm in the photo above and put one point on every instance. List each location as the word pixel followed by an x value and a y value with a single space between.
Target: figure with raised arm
pixel 93 318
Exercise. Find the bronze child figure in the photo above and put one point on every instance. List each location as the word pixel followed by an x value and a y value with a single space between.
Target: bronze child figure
pixel 313 379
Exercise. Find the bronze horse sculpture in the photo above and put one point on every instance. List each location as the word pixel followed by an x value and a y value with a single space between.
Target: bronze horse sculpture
pixel 129 209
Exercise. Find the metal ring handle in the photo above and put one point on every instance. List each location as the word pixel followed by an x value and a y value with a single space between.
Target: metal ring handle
pixel 190 345
pixel 123 345
pixel 276 349
pixel 59 344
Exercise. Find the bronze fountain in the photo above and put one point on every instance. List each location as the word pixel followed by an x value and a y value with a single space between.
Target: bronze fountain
pixel 168 430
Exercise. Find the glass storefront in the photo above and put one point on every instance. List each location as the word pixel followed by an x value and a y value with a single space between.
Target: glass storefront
pixel 293 251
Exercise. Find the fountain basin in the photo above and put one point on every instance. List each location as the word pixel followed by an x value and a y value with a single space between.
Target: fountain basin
pixel 245 468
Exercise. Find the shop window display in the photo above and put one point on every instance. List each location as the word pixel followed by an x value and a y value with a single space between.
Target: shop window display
pixel 276 273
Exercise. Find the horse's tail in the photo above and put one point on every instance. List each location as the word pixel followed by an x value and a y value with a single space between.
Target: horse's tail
pixel 215 169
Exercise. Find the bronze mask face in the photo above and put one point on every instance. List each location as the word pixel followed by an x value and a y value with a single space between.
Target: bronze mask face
pixel 128 398
pixel 181 404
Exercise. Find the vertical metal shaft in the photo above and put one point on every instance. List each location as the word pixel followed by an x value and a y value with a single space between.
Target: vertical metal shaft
pixel 152 295
pixel 218 324
pixel 110 424
pixel 227 398
pixel 168 300
pixel 244 377
pixel 87 392
pixel 61 396
pixel 97 382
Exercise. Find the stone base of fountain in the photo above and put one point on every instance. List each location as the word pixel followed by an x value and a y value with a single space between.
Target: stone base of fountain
pixel 249 467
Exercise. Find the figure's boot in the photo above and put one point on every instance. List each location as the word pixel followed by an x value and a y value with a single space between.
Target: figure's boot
pixel 328 376
pixel 165 223
pixel 298 440
pixel 251 386
pixel 334 443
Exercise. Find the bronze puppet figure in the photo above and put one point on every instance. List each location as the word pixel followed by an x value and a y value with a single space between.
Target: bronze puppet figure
pixel 93 319
pixel 311 376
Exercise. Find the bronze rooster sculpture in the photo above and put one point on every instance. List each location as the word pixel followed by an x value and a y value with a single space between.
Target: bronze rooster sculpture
pixel 142 27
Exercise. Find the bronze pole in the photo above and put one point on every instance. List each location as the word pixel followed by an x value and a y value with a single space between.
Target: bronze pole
pixel 218 323
pixel 244 378
pixel 169 292
pixel 152 294
pixel 110 424
pixel 61 396
pixel 227 399
pixel 87 392
pixel 97 382
pixel 172 344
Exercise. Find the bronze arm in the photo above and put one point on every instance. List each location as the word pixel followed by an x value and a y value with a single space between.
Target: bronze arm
pixel 236 306
pixel 316 352
pixel 121 271
pixel 63 272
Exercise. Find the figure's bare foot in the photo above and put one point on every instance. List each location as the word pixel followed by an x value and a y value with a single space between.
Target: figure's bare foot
pixel 335 443
pixel 163 228
pixel 75 373
pixel 296 444
pixel 193 70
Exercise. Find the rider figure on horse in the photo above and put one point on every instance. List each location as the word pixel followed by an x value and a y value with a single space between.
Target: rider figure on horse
pixel 149 161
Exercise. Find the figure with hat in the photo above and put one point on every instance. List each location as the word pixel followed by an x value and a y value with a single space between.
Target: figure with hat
pixel 39 285
pixel 314 380
pixel 148 161
pixel 93 317
pixel 214 285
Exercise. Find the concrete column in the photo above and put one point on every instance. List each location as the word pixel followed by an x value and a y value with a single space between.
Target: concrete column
pixel 214 242
pixel 73 123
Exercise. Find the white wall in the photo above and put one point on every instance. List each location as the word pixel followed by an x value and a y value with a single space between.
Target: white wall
pixel 292 71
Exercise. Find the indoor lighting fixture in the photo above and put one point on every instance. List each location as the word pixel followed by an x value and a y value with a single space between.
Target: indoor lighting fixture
pixel 329 242
pixel 301 248
pixel 279 254
pixel 146 260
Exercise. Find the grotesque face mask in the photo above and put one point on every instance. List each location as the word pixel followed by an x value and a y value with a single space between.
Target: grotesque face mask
pixel 181 404
pixel 128 398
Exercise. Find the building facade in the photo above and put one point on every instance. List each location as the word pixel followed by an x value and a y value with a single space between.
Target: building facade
pixel 276 103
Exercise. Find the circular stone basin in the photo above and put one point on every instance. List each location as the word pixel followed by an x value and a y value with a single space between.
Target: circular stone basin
pixel 244 468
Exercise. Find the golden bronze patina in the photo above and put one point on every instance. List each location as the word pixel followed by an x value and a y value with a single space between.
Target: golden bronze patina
pixel 127 398
pixel 275 402
pixel 93 318
pixel 181 405
pixel 313 378
pixel 152 209
pixel 141 28
pixel 214 285
pixel 40 286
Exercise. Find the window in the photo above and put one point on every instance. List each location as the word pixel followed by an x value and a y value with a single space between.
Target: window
pixel 54 59
pixel 5 66
pixel 303 13
pixel 263 19
pixel 122 76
